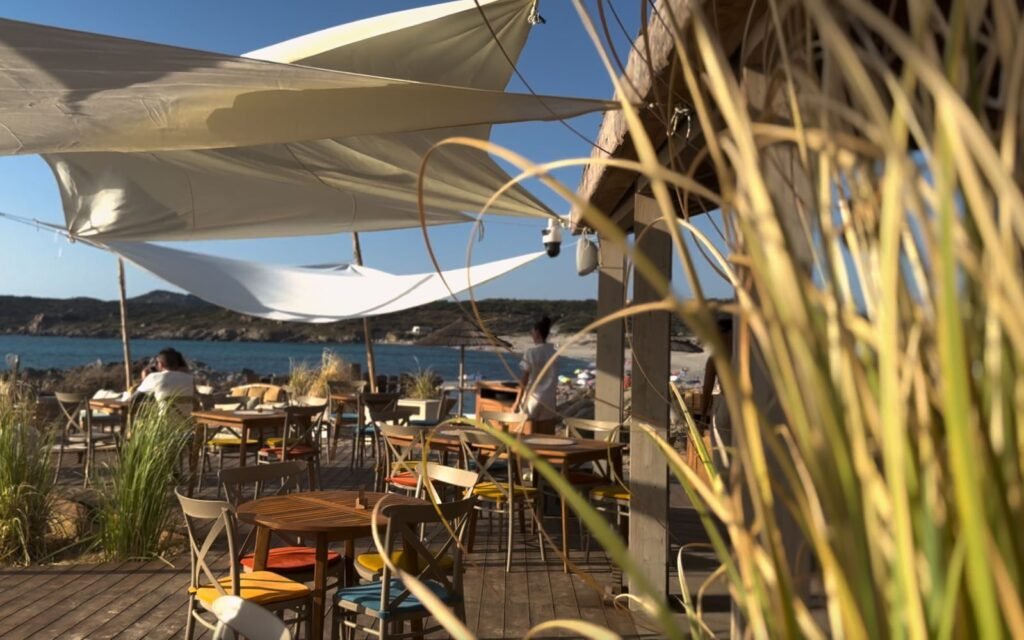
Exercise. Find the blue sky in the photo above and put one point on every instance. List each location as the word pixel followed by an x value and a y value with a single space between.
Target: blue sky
pixel 558 59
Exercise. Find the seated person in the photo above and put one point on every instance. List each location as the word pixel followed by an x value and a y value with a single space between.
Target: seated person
pixel 167 378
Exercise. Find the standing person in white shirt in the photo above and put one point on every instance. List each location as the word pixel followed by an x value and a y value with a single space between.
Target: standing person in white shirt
pixel 170 379
pixel 540 399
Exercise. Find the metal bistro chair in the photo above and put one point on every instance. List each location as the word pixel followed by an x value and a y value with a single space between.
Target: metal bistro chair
pixel 401 447
pixel 387 602
pixel 600 472
pixel 265 588
pixel 437 481
pixel 340 419
pixel 371 404
pixel 78 435
pixel 300 440
pixel 503 497
pixel 248 483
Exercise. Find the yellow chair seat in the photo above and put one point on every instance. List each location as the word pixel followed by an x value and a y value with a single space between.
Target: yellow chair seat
pixel 610 492
pixel 491 491
pixel 261 587
pixel 229 440
pixel 373 563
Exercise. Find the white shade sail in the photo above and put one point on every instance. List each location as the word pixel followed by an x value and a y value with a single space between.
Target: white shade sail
pixel 332 184
pixel 63 90
pixel 305 294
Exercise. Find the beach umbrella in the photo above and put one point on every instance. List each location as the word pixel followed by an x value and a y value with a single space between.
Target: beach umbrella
pixel 462 334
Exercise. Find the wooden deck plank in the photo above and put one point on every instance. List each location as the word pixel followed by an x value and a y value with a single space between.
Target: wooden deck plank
pixel 80 602
pixel 134 601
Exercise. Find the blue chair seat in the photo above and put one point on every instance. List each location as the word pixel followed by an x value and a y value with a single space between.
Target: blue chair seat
pixel 367 598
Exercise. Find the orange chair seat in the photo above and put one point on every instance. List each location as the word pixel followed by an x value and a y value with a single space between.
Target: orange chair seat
pixel 291 559
pixel 404 479
pixel 261 587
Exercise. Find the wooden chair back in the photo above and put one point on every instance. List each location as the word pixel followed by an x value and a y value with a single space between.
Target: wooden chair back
pixel 283 477
pixel 400 452
pixel 301 426
pixel 436 474
pixel 73 406
pixel 405 526
pixel 380 402
pixel 220 517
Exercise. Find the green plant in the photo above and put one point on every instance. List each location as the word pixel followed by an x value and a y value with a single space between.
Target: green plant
pixel 26 480
pixel 867 169
pixel 136 507
pixel 422 385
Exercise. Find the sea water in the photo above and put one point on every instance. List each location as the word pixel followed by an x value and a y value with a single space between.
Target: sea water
pixel 45 352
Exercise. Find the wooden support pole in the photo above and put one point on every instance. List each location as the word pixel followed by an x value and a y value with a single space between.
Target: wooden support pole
pixel 124 327
pixel 371 364
pixel 611 297
pixel 648 482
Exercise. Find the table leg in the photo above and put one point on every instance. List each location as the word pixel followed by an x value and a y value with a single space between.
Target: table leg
pixel 319 586
pixel 565 524
pixel 259 560
pixel 350 563
pixel 241 446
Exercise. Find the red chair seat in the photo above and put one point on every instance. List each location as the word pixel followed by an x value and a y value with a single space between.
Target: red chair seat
pixel 405 479
pixel 291 559
pixel 293 451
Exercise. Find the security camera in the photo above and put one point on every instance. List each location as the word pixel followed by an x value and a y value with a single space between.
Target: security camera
pixel 552 238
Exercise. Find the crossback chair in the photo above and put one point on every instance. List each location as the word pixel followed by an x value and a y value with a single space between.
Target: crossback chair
pixel 599 472
pixel 505 421
pixel 237 617
pixel 374 406
pixel 342 395
pixel 436 483
pixel 248 483
pixel 501 496
pixel 78 435
pixel 387 601
pixel 300 439
pixel 265 588
pixel 608 492
pixel 401 447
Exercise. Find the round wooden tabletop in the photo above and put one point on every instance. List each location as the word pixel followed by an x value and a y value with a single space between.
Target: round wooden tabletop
pixel 331 512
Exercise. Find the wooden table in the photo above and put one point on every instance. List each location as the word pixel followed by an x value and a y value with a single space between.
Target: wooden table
pixel 326 516
pixel 565 457
pixel 113 406
pixel 241 423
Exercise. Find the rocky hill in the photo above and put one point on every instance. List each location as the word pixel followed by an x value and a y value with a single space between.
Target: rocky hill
pixel 168 315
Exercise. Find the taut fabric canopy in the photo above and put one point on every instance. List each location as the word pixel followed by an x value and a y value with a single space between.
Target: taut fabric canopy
pixel 64 90
pixel 341 183
pixel 306 294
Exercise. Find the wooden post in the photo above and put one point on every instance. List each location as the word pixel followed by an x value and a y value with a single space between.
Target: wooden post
pixel 371 365
pixel 124 327
pixel 611 297
pixel 648 482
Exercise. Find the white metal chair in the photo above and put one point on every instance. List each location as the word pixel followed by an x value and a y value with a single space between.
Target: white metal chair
pixel 388 602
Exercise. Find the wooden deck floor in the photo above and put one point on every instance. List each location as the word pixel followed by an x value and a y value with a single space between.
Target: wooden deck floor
pixel 148 599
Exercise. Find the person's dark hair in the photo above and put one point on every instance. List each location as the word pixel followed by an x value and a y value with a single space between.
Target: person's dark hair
pixel 172 359
pixel 543 327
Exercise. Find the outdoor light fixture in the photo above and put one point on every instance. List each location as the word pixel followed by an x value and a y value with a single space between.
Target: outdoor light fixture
pixel 586 255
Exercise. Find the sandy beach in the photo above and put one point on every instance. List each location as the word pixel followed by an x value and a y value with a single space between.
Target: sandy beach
pixel 690 365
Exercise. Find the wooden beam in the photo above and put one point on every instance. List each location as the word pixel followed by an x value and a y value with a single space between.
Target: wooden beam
pixel 648 481
pixel 611 297
pixel 371 362
pixel 125 346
